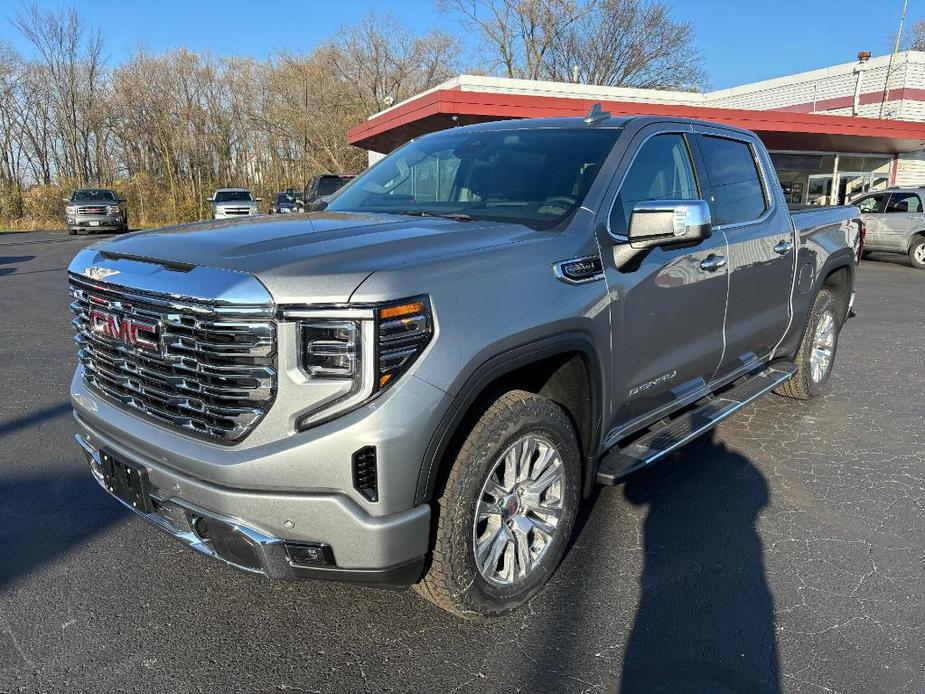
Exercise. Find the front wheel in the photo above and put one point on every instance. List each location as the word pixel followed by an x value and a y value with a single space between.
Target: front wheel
pixel 507 510
pixel 816 355
pixel 917 253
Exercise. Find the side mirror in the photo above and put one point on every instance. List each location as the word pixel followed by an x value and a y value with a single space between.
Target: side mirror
pixel 120 200
pixel 210 199
pixel 669 223
pixel 259 199
pixel 67 200
pixel 317 205
pixel 664 223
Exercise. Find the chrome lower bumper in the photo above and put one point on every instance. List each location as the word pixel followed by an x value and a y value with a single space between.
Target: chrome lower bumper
pixel 177 520
pixel 262 554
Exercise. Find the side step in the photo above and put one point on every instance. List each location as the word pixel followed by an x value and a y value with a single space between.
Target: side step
pixel 665 438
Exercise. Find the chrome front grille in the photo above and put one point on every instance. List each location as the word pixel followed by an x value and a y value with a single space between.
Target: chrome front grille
pixel 209 370
pixel 91 210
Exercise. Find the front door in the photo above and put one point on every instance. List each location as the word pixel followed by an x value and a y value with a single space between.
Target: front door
pixel 667 306
pixel 761 246
pixel 872 215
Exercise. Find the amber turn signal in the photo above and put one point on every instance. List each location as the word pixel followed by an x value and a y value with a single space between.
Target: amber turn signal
pixel 401 310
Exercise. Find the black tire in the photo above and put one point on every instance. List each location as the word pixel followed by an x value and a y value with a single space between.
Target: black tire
pixel 453 580
pixel 806 384
pixel 917 252
pixel 72 232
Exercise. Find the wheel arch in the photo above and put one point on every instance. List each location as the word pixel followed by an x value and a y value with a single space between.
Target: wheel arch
pixel 914 238
pixel 840 281
pixel 566 368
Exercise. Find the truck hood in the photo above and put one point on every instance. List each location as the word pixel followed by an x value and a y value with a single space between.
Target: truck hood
pixel 314 258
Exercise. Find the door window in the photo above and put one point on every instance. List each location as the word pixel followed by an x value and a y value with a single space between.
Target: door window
pixel 662 170
pixel 904 202
pixel 872 203
pixel 737 192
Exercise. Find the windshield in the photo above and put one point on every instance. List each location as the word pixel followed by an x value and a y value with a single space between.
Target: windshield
pixel 94 196
pixel 283 199
pixel 535 176
pixel 331 184
pixel 233 196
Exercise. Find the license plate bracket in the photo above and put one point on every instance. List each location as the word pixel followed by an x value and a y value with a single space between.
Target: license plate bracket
pixel 127 481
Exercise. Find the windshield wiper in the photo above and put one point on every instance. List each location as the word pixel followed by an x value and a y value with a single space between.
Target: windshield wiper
pixel 458 216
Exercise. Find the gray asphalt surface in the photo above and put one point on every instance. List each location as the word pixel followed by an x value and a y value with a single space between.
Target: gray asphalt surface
pixel 786 552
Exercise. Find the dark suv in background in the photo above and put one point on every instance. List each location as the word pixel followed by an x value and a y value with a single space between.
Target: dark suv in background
pixel 95 209
pixel 283 203
pixel 320 187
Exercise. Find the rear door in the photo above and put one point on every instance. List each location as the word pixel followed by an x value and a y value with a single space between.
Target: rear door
pixel 901 218
pixel 760 238
pixel 871 208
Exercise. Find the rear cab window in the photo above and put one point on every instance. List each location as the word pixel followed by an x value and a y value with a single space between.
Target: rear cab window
pixel 737 190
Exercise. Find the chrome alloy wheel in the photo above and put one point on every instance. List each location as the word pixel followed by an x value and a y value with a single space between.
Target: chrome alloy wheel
pixel 919 253
pixel 518 510
pixel 823 347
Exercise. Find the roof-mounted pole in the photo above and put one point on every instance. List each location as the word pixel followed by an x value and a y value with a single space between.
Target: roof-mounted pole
pixel 596 115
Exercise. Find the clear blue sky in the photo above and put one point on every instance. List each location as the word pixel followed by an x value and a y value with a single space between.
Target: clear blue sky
pixel 742 41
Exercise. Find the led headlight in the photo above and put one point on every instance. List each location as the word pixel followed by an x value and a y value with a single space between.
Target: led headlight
pixel 351 355
pixel 112 209
pixel 331 348
pixel 70 209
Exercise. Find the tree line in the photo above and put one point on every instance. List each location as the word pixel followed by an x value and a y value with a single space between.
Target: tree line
pixel 165 129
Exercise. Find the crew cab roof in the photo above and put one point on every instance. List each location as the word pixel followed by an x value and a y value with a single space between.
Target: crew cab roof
pixel 579 122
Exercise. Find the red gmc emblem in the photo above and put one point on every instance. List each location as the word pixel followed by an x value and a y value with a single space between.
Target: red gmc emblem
pixel 123 329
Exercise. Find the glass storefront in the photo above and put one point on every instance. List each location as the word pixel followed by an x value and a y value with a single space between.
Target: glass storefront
pixel 829 179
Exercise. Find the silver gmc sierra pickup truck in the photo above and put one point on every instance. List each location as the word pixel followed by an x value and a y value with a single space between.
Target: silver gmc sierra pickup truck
pixel 420 383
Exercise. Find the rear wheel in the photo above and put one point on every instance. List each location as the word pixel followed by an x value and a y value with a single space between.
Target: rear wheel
pixel 917 253
pixel 816 355
pixel 507 510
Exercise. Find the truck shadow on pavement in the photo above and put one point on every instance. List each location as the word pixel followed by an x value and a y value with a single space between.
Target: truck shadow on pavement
pixel 13 260
pixel 705 621
pixel 43 516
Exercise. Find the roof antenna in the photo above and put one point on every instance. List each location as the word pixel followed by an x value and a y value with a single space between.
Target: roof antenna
pixel 596 115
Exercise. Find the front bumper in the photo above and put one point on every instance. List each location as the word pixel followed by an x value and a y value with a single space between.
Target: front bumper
pixel 94 222
pixel 387 551
pixel 221 214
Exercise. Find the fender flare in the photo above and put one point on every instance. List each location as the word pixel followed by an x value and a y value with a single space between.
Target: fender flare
pixel 494 368
pixel 832 264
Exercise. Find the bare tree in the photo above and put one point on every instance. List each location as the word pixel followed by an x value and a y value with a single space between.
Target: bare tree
pixel 915 37
pixel 379 59
pixel 519 36
pixel 75 82
pixel 622 43
pixel 629 43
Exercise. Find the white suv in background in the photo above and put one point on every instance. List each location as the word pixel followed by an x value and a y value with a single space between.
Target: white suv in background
pixel 233 202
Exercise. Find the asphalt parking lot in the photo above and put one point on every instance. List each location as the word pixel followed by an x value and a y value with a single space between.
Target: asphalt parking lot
pixel 786 552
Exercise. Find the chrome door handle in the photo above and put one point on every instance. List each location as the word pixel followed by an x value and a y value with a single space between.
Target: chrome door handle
pixel 712 263
pixel 783 247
